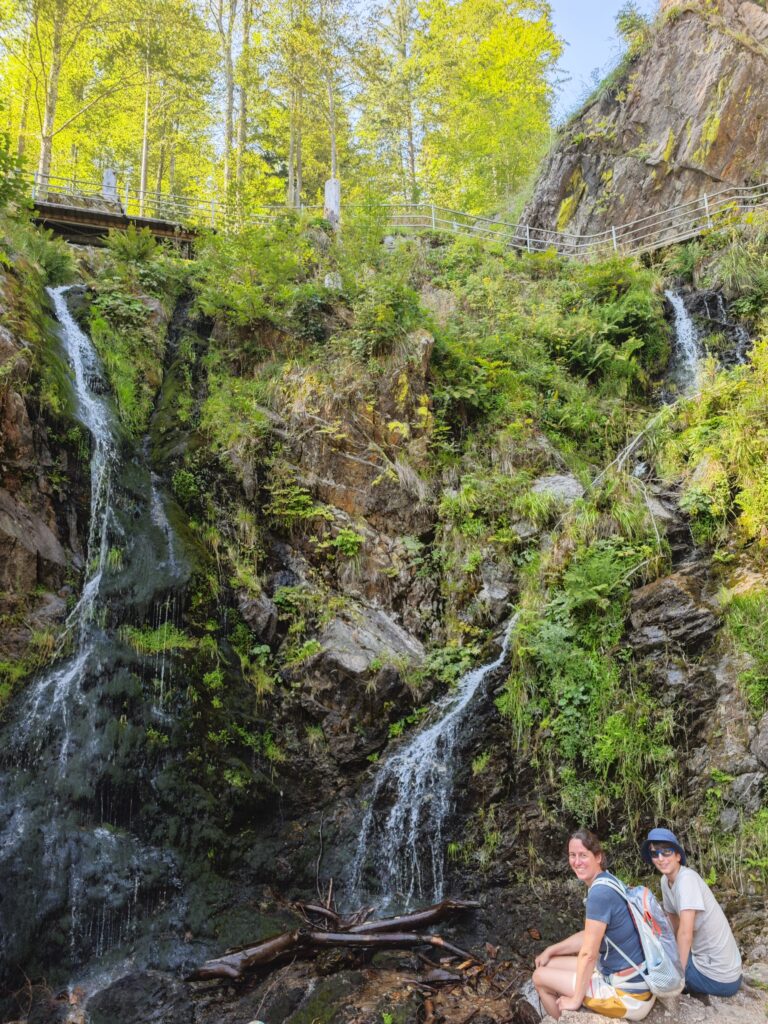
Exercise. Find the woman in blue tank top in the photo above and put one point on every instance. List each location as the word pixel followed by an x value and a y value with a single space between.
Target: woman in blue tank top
pixel 587 969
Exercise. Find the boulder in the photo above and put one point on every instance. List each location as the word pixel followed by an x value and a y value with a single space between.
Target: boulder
pixel 496 591
pixel 563 487
pixel 146 996
pixel 350 647
pixel 746 791
pixel 260 613
pixel 669 130
pixel 672 613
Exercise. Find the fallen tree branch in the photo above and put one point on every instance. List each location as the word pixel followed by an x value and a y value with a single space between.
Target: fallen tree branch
pixel 388 933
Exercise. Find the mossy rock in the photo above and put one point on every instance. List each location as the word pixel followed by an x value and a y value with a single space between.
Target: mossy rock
pixel 327 998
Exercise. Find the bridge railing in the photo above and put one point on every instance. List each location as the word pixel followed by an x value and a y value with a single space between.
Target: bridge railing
pixel 664 227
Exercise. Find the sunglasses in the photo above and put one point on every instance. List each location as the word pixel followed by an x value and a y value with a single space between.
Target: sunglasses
pixel 666 851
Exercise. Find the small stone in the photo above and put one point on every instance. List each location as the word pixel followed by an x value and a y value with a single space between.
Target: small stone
pixel 564 487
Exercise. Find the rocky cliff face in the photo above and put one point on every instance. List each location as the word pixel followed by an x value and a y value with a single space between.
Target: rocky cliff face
pixel 682 118
pixel 41 493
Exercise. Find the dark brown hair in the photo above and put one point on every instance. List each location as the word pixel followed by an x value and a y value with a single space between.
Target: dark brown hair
pixel 592 843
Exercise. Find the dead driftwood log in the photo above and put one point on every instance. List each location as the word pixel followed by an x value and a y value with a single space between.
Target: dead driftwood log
pixel 352 932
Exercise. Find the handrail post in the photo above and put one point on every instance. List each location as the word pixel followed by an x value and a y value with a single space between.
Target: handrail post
pixel 528 237
pixel 613 236
pixel 706 210
pixel 434 221
pixel 213 213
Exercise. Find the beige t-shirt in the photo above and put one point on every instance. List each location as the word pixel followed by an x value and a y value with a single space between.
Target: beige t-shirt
pixel 714 948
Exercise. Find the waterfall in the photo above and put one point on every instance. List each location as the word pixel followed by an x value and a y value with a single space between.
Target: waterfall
pixel 405 845
pixel 77 873
pixel 56 696
pixel 687 351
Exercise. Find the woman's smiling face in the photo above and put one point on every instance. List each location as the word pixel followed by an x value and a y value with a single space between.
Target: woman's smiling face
pixel 584 864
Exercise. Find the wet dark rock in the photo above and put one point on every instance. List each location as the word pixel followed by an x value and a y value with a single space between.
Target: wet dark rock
pixel 496 591
pixel 260 613
pixel 147 996
pixel 673 614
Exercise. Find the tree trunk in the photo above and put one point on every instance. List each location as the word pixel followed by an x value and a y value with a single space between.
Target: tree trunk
pixel 172 162
pixel 145 145
pixel 26 90
pixel 22 137
pixel 299 169
pixel 242 122
pixel 289 200
pixel 51 98
pixel 414 189
pixel 332 127
pixel 226 32
pixel 160 166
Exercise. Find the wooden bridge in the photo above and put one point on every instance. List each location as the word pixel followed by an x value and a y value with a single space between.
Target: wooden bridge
pixel 81 211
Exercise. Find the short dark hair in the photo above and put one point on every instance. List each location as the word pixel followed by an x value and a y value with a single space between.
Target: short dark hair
pixel 592 843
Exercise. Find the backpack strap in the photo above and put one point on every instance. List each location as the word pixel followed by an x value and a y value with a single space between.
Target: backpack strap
pixel 619 888
pixel 640 968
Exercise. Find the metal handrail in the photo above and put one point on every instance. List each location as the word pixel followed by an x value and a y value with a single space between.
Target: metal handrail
pixel 651 231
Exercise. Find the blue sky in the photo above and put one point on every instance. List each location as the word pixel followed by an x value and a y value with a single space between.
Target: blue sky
pixel 588 28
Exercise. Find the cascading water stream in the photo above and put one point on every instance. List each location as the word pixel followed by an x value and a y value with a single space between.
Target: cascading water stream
pixel 405 845
pixel 56 695
pixel 76 876
pixel 687 348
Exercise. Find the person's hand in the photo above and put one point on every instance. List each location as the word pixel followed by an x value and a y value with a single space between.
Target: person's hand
pixel 568 1003
pixel 543 958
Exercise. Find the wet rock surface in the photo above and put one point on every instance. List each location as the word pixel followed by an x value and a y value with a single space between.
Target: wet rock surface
pixel 674 614
pixel 43 502
pixel 146 996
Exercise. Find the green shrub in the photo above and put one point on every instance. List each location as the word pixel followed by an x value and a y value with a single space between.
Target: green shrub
pixel 132 245
pixel 747 622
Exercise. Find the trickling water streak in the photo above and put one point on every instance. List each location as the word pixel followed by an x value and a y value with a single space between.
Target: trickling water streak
pixel 406 845
pixel 160 519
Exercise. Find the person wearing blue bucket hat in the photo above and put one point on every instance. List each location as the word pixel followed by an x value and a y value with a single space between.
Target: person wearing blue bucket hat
pixel 708 950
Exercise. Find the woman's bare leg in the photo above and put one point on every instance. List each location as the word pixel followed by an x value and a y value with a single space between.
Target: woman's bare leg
pixel 553 981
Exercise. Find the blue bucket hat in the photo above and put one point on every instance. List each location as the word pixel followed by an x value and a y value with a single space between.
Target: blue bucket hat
pixel 657 836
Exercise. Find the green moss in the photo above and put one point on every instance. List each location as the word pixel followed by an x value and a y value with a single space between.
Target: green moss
pixel 162 639
pixel 708 137
pixel 670 146
pixel 747 623
pixel 575 190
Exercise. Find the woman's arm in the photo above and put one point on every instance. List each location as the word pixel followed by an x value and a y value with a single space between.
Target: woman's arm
pixel 590 949
pixel 567 947
pixel 684 934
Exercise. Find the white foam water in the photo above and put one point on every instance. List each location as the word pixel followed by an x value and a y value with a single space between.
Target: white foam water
pixel 405 845
pixel 687 348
